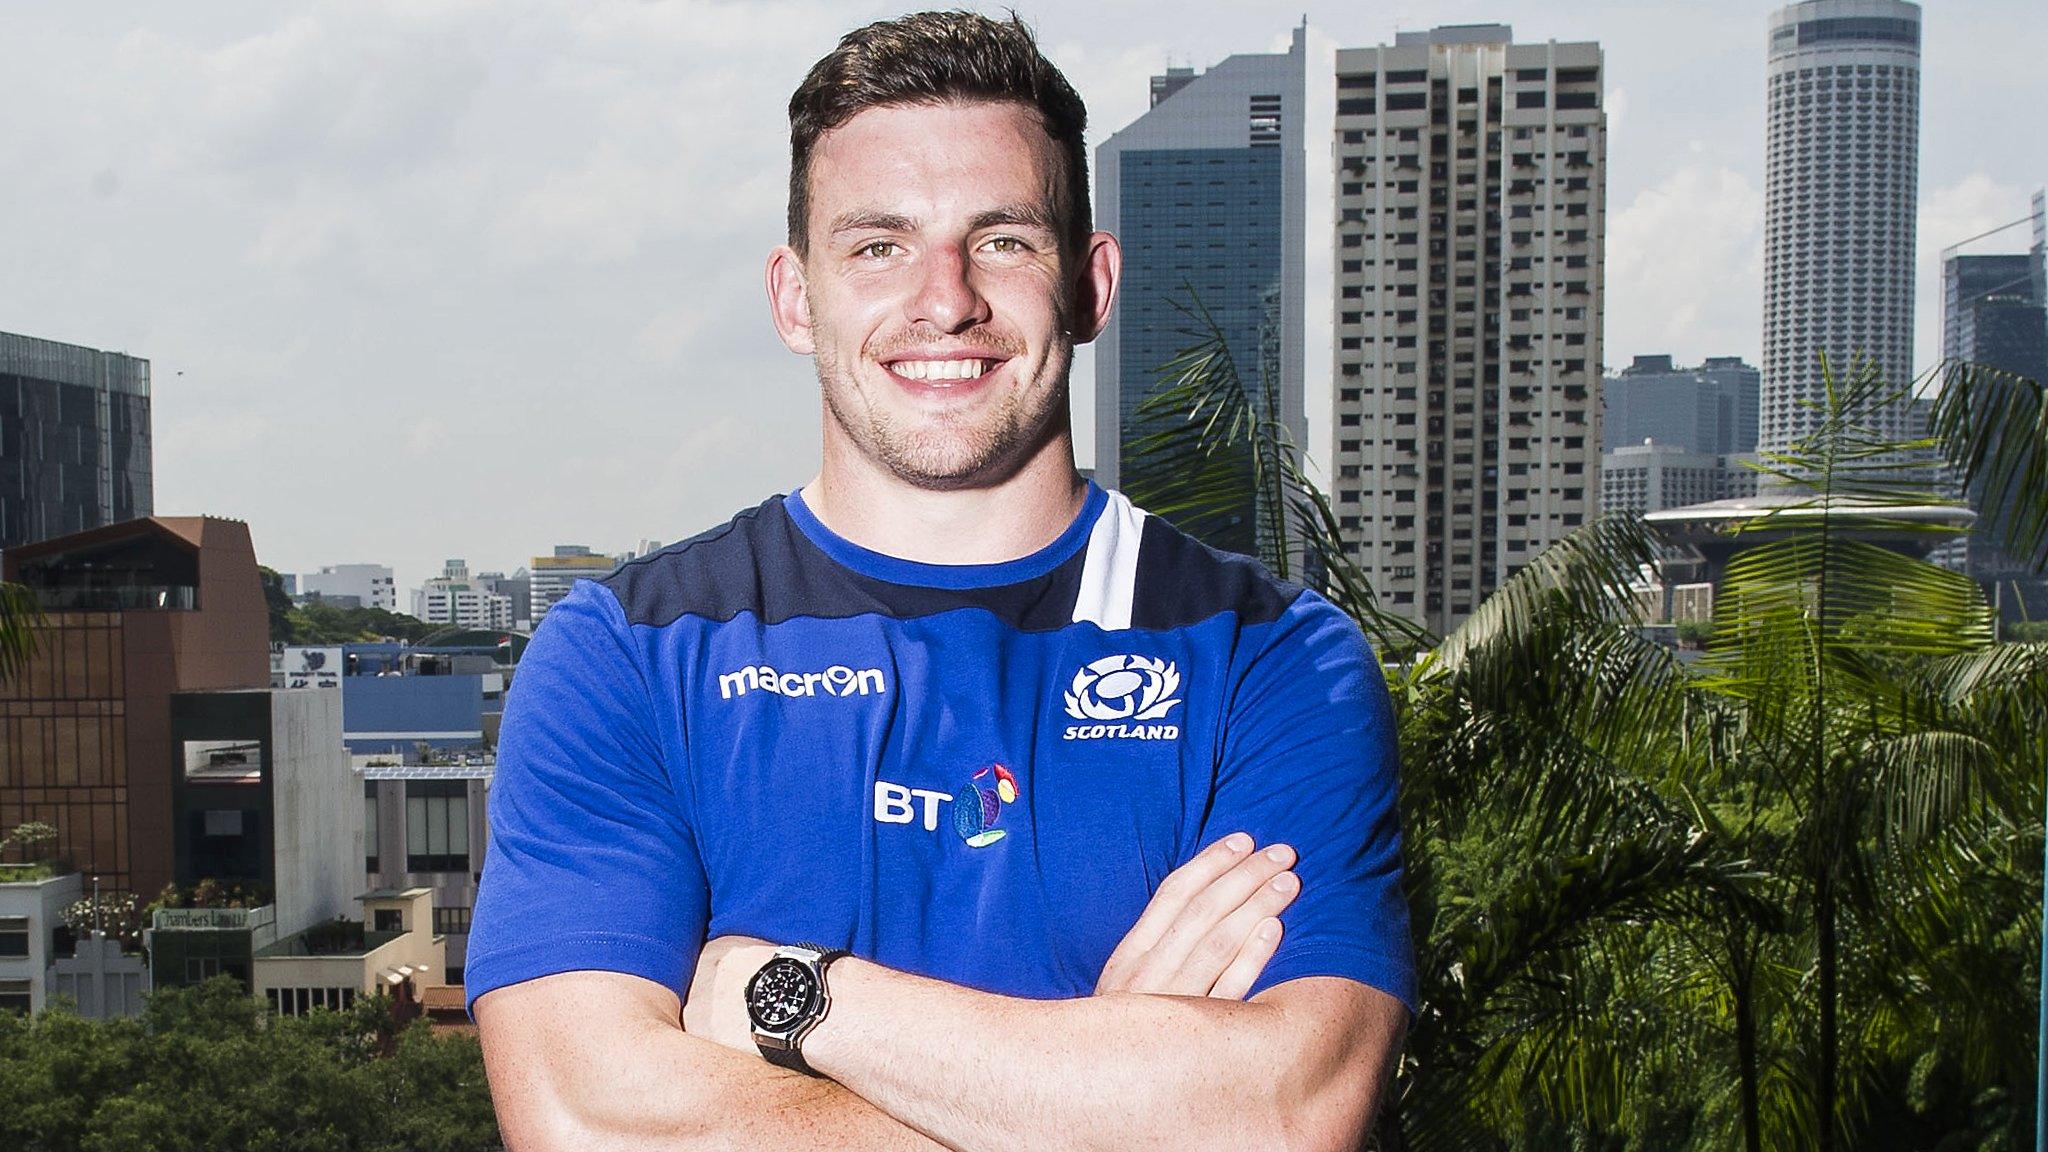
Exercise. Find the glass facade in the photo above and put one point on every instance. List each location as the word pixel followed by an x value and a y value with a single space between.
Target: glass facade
pixel 74 439
pixel 1199 226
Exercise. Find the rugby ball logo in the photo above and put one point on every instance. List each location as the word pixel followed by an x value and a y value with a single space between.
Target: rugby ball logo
pixel 1124 688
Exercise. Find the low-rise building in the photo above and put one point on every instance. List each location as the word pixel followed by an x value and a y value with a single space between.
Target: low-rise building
pixel 427 830
pixel 393 950
pixel 31 912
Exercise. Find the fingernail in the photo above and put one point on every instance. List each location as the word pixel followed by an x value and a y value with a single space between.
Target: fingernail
pixel 1268 928
pixel 1237 843
pixel 1280 852
pixel 1285 882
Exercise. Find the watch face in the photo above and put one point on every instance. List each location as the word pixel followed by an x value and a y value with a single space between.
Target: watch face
pixel 781 993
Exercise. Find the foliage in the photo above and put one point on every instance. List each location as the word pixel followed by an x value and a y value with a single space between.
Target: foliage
pixel 116 913
pixel 21 619
pixel 211 893
pixel 28 834
pixel 1786 896
pixel 317 622
pixel 208 1067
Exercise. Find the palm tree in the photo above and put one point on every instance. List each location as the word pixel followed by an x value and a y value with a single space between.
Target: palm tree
pixel 1627 876
pixel 20 618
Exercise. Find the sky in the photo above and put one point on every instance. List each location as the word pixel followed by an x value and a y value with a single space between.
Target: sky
pixel 425 279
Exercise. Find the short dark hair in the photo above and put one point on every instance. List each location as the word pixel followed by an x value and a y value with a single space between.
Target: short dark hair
pixel 933 58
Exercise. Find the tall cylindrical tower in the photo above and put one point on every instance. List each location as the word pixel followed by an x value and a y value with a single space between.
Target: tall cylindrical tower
pixel 1842 175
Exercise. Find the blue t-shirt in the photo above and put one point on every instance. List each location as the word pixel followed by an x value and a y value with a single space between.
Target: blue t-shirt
pixel 979 773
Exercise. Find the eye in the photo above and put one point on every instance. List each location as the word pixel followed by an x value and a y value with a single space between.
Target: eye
pixel 877 249
pixel 1008 245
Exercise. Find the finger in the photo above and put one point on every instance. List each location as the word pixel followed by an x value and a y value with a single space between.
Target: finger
pixel 1182 885
pixel 1214 904
pixel 1251 960
pixel 1213 955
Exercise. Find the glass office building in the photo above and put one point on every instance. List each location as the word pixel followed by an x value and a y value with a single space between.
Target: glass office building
pixel 74 439
pixel 1210 193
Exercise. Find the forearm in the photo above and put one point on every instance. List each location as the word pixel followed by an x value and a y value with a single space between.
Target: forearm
pixel 1123 1071
pixel 642 1084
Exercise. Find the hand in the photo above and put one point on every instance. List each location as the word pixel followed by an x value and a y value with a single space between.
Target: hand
pixel 717 1005
pixel 1211 927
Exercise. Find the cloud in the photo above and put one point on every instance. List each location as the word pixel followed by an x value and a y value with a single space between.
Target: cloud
pixel 1685 268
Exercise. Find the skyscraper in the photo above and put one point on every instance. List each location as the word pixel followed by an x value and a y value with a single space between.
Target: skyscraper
pixel 1995 313
pixel 1220 195
pixel 1471 202
pixel 1841 178
pixel 1711 408
pixel 74 439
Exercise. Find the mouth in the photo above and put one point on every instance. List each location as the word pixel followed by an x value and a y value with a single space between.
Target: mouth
pixel 944 372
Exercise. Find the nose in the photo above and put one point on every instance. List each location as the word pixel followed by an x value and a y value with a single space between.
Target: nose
pixel 946 297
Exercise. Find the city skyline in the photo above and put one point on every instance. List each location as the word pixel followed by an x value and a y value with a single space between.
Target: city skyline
pixel 366 246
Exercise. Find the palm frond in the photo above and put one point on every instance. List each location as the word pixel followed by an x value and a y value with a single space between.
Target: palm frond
pixel 21 619
pixel 1993 428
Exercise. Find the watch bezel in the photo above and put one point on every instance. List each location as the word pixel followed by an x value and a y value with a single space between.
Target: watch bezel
pixel 814 995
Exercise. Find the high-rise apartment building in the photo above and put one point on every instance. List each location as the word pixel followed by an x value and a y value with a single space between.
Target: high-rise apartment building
pixel 1220 195
pixel 74 439
pixel 455 598
pixel 1711 408
pixel 1841 177
pixel 1471 217
pixel 551 577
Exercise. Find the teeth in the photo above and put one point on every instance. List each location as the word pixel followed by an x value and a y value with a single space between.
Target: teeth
pixel 938 369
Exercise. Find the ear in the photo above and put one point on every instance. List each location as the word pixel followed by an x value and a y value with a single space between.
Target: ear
pixel 789 300
pixel 1101 268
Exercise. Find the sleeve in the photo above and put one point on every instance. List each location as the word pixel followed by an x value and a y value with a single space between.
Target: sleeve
pixel 1309 758
pixel 590 862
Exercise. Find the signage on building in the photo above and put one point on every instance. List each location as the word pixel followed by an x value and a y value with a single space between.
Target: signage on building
pixel 189 918
pixel 294 666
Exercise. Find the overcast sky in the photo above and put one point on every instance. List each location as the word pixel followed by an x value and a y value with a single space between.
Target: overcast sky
pixel 424 279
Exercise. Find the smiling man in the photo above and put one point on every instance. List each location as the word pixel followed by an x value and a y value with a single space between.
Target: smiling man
pixel 950 800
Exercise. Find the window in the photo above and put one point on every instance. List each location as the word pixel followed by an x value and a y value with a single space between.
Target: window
pixel 299 1001
pixel 369 826
pixel 451 921
pixel 388 920
pixel 14 995
pixel 13 935
pixel 201 968
pixel 436 826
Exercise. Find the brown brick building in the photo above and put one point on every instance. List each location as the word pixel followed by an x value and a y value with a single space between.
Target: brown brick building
pixel 136 611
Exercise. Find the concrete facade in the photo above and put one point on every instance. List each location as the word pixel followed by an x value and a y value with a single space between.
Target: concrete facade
pixel 392 950
pixel 1709 408
pixel 30 913
pixel 1841 180
pixel 101 980
pixel 1471 201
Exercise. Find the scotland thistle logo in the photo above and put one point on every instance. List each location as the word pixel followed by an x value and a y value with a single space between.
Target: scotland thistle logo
pixel 977 809
pixel 1124 688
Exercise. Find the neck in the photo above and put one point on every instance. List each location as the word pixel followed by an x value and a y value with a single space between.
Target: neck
pixel 1013 517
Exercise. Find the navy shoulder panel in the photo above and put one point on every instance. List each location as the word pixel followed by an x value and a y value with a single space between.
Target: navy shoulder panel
pixel 761 563
pixel 1182 581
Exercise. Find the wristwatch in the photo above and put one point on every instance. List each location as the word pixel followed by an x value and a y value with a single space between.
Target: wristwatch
pixel 786 999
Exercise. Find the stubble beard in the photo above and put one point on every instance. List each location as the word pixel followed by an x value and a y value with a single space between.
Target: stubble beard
pixel 947 453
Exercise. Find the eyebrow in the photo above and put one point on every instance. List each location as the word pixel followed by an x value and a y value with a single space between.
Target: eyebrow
pixel 874 220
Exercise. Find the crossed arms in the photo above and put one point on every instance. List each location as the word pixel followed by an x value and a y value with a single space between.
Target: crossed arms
pixel 1165 1054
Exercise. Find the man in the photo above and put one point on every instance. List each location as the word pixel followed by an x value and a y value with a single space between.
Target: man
pixel 1050 771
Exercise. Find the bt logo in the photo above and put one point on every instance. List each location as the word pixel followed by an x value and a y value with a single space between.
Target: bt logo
pixel 976 812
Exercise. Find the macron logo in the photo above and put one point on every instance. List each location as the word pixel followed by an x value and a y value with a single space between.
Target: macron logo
pixel 838 680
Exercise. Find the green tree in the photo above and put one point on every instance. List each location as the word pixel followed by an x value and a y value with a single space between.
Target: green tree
pixel 1641 890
